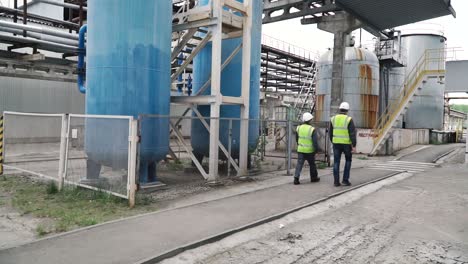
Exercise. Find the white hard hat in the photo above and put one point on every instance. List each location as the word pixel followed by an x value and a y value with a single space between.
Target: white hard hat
pixel 306 117
pixel 344 106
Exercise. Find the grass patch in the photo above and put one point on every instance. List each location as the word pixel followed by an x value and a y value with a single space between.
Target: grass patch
pixel 362 158
pixel 321 165
pixel 41 231
pixel 176 165
pixel 51 188
pixel 69 209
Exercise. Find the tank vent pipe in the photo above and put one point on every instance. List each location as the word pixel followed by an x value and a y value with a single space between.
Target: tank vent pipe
pixel 81 55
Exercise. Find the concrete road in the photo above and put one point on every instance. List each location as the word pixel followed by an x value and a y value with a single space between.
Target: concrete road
pixel 136 238
pixel 133 239
pixel 422 219
pixel 430 153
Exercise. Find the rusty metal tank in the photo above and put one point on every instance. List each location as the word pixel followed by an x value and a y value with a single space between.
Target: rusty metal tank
pixel 361 86
pixel 427 109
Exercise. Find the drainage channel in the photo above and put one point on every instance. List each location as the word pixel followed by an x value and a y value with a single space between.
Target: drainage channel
pixel 215 238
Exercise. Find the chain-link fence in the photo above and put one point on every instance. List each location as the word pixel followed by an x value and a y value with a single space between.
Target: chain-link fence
pixel 106 153
pixel 93 152
pixel 33 143
pixel 271 144
pixel 98 153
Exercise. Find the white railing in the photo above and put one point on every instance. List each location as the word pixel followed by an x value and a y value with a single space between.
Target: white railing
pixel 290 48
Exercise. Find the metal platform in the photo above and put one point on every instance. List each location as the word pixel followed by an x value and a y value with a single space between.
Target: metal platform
pixel 389 14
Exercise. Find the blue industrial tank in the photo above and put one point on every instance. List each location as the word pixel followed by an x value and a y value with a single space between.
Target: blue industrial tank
pixel 231 85
pixel 128 73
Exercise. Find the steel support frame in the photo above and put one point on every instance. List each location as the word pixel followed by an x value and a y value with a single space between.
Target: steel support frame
pixel 245 92
pixel 180 137
pixel 216 62
pixel 305 8
pixel 215 98
pixel 221 146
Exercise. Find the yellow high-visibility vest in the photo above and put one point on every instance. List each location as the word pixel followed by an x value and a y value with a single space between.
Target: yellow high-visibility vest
pixel 340 129
pixel 305 143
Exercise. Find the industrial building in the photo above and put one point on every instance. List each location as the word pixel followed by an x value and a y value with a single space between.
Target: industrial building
pixel 146 81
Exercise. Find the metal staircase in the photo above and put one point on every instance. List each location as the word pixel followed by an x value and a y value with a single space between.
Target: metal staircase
pixel 430 65
pixel 186 45
pixel 189 37
pixel 190 33
pixel 305 99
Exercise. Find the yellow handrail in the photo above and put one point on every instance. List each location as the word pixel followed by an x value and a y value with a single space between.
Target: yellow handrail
pixel 431 62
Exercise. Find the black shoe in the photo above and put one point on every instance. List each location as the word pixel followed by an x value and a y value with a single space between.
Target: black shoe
pixel 316 179
pixel 337 184
pixel 296 181
pixel 346 183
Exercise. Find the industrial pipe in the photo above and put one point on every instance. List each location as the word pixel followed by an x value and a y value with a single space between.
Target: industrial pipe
pixel 41 37
pixel 52 2
pixel 15 12
pixel 45 44
pixel 39 30
pixel 81 55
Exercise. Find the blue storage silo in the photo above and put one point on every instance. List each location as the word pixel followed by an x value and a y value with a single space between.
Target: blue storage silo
pixel 231 83
pixel 128 73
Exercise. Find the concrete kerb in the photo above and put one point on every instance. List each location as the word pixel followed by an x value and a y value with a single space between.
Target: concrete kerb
pixel 447 155
pixel 412 152
pixel 133 217
pixel 215 238
pixel 157 212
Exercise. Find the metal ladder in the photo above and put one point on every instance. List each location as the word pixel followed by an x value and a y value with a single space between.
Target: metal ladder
pixel 430 65
pixel 306 95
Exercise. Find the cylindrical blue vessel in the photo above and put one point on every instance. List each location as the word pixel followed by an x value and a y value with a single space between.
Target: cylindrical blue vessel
pixel 128 73
pixel 231 85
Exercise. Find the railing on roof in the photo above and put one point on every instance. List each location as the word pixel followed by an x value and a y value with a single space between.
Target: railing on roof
pixel 290 48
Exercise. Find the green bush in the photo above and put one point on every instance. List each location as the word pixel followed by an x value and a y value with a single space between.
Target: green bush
pixel 51 188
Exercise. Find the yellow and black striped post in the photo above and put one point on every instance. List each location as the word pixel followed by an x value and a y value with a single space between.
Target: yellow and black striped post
pixel 1 144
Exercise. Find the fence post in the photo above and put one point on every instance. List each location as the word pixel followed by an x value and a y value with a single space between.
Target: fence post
pixel 289 146
pixel 466 150
pixel 63 151
pixel 133 163
pixel 1 144
pixel 229 148
pixel 262 139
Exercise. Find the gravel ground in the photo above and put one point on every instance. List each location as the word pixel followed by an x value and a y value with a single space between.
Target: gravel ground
pixel 422 219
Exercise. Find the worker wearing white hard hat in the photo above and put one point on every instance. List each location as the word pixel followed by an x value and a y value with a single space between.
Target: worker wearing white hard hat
pixel 342 133
pixel 306 138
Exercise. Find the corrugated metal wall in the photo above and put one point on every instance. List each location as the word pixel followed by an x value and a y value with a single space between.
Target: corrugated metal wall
pixel 40 96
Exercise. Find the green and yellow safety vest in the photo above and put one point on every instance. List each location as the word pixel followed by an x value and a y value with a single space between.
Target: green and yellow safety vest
pixel 305 143
pixel 340 125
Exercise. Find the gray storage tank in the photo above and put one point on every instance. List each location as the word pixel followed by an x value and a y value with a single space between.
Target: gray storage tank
pixel 361 86
pixel 427 109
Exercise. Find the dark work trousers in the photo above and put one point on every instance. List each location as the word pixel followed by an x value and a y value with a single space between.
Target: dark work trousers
pixel 302 157
pixel 339 149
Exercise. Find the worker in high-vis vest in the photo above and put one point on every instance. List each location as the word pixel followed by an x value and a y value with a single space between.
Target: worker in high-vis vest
pixel 306 139
pixel 342 133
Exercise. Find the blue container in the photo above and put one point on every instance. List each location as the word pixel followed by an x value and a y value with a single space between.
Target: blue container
pixel 128 73
pixel 231 85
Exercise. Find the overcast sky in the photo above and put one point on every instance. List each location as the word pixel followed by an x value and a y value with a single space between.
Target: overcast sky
pixel 311 38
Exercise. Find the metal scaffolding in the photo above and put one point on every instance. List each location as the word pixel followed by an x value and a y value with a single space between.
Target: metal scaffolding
pixel 283 71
